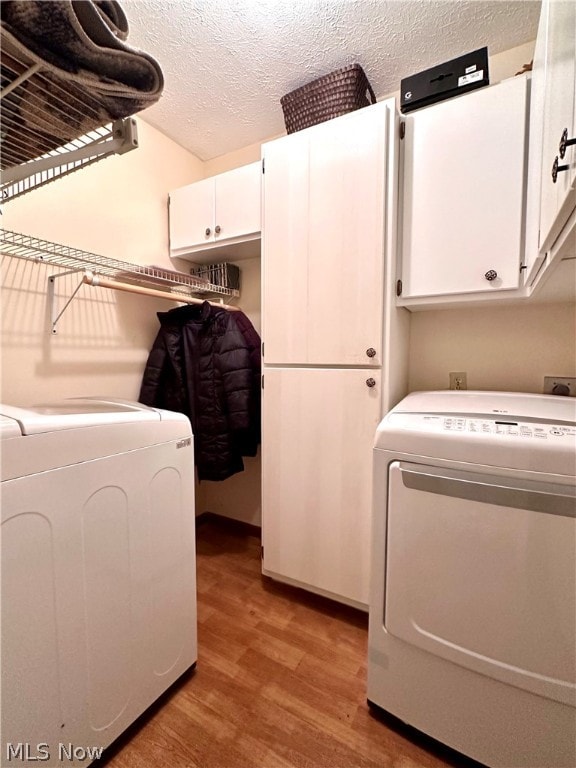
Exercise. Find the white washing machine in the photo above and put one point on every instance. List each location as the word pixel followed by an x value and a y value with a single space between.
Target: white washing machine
pixel 98 592
pixel 472 635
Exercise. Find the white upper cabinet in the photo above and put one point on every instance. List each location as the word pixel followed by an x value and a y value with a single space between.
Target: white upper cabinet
pixel 558 190
pixel 323 241
pixel 463 197
pixel 220 211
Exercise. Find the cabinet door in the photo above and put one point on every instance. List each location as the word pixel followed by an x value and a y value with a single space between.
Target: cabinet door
pixel 559 115
pixel 463 197
pixel 319 427
pixel 533 257
pixel 238 203
pixel 192 215
pixel 346 238
pixel 285 281
pixel 324 207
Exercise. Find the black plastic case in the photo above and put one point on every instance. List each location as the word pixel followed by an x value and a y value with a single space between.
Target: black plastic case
pixel 452 78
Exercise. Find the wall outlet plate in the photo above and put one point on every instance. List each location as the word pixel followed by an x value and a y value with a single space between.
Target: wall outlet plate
pixel 458 380
pixel 560 385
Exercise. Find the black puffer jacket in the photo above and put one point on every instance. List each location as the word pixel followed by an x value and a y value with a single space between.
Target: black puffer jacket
pixel 200 365
pixel 253 343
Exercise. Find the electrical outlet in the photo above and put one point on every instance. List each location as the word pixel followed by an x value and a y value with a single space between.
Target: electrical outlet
pixel 458 380
pixel 560 385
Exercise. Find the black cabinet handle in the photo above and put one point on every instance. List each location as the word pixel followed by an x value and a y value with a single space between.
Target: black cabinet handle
pixel 556 169
pixel 491 275
pixel 565 142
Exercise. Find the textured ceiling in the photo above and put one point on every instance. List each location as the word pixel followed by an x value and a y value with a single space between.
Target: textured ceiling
pixel 226 63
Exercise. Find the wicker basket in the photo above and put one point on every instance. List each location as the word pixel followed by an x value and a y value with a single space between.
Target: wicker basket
pixel 332 95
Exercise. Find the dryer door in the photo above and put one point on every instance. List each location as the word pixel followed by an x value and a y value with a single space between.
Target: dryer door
pixel 480 570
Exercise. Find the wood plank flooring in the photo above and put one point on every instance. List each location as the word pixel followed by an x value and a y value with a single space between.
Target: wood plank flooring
pixel 280 681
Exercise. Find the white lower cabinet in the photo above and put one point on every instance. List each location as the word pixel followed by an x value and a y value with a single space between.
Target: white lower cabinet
pixel 318 432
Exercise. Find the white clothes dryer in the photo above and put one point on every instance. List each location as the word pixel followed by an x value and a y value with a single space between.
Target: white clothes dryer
pixel 472 635
pixel 98 592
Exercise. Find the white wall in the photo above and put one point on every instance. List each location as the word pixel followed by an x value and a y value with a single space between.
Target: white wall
pixel 115 208
pixel 233 160
pixel 500 348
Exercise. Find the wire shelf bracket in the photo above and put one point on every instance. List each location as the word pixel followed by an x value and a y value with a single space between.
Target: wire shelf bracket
pixel 50 127
pixel 55 315
pixel 119 137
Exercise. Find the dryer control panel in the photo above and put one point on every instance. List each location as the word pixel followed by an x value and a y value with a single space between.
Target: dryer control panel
pixel 513 428
pixel 535 433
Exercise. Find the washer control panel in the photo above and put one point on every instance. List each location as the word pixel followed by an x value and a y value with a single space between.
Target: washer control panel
pixel 496 427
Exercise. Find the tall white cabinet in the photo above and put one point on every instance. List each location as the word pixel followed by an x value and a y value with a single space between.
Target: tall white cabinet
pixel 328 209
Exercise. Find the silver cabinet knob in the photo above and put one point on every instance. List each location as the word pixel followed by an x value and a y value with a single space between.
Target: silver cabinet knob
pixel 208 232
pixel 217 229
pixel 371 352
pixel 370 382
pixel 491 275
